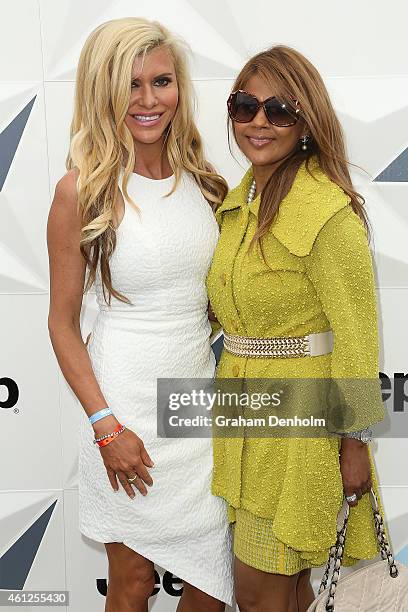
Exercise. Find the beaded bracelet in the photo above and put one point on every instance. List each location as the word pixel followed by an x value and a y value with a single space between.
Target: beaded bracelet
pixel 108 438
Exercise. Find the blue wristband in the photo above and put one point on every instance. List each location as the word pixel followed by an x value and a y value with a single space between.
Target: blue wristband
pixel 99 415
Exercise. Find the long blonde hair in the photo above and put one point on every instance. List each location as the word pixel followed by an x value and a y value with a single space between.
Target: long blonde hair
pixel 296 78
pixel 101 143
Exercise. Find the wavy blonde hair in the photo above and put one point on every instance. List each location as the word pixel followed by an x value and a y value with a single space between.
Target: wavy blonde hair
pixel 101 143
pixel 292 76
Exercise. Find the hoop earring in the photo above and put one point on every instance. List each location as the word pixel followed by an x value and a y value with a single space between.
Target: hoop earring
pixel 304 140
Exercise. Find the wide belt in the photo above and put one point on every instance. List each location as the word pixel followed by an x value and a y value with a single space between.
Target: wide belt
pixel 310 345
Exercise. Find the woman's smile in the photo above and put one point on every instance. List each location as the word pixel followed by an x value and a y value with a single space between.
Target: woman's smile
pixel 260 141
pixel 146 120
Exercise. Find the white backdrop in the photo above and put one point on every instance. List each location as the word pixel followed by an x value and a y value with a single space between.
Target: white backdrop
pixel 360 49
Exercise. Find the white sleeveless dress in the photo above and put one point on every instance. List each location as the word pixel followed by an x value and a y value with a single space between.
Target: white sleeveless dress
pixel 161 260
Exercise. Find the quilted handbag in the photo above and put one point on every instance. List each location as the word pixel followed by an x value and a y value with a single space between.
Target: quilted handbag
pixel 379 587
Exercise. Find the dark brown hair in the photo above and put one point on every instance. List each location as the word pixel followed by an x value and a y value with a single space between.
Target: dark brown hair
pixel 294 77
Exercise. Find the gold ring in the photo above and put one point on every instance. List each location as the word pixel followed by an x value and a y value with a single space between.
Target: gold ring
pixel 132 479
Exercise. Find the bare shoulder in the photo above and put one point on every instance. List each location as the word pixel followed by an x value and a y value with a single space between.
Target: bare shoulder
pixel 67 265
pixel 64 204
pixel 64 221
pixel 66 187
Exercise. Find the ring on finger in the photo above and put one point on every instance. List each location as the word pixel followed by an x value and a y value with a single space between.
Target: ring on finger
pixel 133 478
pixel 351 498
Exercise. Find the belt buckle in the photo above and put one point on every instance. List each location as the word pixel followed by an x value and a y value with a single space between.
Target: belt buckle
pixel 307 350
pixel 320 343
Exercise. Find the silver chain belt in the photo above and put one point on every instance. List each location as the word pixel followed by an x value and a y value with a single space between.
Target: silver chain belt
pixel 299 346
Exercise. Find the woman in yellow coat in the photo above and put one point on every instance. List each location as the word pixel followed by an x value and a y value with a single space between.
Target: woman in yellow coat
pixel 293 260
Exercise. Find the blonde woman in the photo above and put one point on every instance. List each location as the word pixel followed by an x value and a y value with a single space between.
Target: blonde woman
pixel 134 210
pixel 292 261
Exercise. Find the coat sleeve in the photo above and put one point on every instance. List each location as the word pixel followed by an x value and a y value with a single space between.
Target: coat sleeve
pixel 339 265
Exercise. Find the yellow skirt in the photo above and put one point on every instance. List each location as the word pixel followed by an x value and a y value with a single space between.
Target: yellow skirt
pixel 256 546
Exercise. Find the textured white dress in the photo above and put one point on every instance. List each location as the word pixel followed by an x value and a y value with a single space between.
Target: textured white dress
pixel 160 262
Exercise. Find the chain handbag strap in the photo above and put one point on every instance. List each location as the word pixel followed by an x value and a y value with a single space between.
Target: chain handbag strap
pixel 336 551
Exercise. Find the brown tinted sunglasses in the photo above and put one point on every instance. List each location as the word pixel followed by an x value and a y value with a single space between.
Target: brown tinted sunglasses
pixel 243 108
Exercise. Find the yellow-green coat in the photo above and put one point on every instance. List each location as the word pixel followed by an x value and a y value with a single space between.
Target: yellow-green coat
pixel 321 278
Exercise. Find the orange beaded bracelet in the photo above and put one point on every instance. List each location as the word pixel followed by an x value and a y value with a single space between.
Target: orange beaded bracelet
pixel 108 438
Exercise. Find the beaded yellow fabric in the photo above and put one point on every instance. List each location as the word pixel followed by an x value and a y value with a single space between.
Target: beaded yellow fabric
pixel 256 545
pixel 321 278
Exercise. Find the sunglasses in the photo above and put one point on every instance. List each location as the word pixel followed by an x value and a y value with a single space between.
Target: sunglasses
pixel 243 107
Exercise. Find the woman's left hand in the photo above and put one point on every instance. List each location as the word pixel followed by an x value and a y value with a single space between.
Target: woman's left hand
pixel 355 468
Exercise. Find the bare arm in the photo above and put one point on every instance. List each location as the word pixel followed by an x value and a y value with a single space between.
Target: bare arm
pixel 67 276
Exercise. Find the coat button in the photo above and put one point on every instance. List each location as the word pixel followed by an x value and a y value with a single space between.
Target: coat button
pixel 223 279
pixel 235 370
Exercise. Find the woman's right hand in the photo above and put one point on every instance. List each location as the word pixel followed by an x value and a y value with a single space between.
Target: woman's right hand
pixel 124 457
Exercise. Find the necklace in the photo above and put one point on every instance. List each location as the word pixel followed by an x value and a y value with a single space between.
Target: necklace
pixel 251 192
